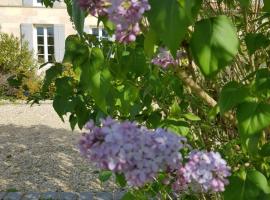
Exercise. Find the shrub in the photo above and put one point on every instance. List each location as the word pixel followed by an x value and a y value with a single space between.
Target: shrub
pixel 18 66
pixel 14 54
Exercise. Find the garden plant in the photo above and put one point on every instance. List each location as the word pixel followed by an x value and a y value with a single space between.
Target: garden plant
pixel 18 76
pixel 177 107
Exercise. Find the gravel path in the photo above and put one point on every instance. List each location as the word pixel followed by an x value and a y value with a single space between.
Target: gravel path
pixel 38 153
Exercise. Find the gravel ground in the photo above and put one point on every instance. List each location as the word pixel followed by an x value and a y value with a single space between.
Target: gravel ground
pixel 38 153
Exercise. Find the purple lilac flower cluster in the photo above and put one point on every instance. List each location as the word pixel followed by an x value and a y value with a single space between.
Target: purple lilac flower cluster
pixel 164 58
pixel 140 154
pixel 125 14
pixel 133 150
pixel 204 172
pixel 94 7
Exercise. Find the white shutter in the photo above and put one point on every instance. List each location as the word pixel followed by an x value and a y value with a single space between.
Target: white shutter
pixel 27 34
pixel 59 42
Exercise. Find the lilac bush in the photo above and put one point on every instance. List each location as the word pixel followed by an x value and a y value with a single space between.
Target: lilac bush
pixel 125 14
pixel 216 53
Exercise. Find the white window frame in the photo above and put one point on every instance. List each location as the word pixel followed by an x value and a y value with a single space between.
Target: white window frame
pixel 38 4
pixel 99 31
pixel 45 41
pixel 100 36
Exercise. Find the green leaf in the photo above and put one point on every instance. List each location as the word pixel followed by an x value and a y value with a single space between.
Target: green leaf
pixel 265 150
pixel 231 95
pixel 179 126
pixel 48 3
pixel 69 7
pixel 51 74
pixel 175 110
pixel 62 106
pixel 191 117
pixel 120 179
pixel 262 80
pixel 131 93
pixel 214 44
pixel 81 111
pixel 104 176
pixel 128 196
pixel 252 117
pixel 252 143
pixel 264 197
pixel 76 50
pixel 71 43
pixel 54 71
pixel 244 3
pixel 213 112
pixel 170 20
pixel 154 119
pixel 96 80
pixel 251 186
pixel 266 5
pixel 73 121
pixel 110 27
pixel 149 43
pixel 255 41
pixel 235 189
pixel 191 8
pixel 259 180
pixel 136 62
pixel 78 16
pixel 64 86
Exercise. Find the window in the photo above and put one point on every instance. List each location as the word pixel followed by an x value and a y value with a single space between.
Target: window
pixel 45 43
pixel 104 34
pixel 37 3
pixel 100 33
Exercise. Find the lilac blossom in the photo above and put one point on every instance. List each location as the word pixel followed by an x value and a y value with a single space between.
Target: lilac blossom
pixel 135 151
pixel 164 58
pixel 94 7
pixel 140 154
pixel 204 172
pixel 125 14
pixel 180 184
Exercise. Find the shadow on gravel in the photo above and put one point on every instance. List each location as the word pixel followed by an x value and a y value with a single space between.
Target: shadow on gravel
pixel 41 158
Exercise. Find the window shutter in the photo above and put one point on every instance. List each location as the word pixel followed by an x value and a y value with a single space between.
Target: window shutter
pixel 27 34
pixel 59 42
pixel 28 2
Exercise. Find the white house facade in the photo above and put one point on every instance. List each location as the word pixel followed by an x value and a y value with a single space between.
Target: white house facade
pixel 45 29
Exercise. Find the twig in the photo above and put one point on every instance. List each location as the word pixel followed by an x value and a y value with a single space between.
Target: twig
pixel 198 91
